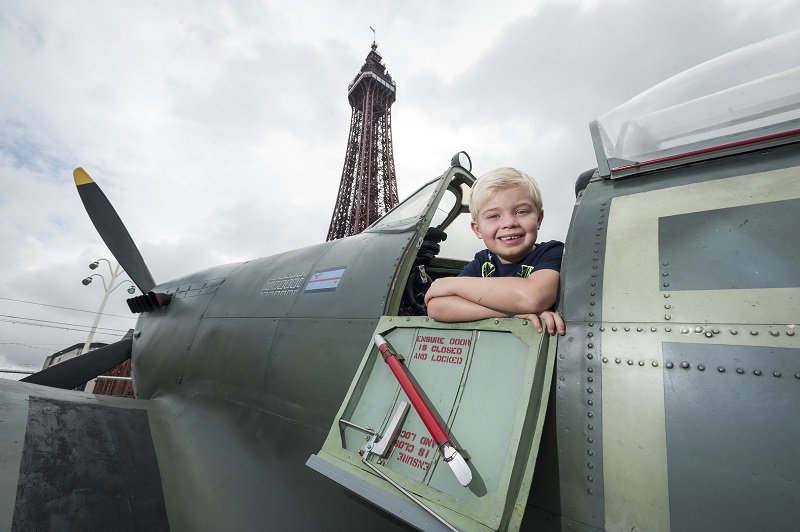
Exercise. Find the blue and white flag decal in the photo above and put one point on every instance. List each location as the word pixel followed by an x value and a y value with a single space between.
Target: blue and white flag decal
pixel 324 280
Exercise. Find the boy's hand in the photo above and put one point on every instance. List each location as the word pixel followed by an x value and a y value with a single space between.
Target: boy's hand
pixel 552 320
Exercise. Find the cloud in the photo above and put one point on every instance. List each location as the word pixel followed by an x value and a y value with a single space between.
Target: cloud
pixel 218 131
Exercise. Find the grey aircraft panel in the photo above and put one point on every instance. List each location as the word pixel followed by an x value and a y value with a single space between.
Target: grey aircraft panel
pixel 584 354
pixel 731 248
pixel 732 436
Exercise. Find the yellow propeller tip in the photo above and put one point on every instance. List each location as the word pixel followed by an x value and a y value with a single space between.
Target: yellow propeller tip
pixel 81 177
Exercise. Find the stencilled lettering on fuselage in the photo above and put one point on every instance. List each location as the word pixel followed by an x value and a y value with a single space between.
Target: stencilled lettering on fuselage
pixel 435 349
pixel 285 284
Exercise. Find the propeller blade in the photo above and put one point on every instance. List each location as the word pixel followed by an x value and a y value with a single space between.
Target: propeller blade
pixel 81 369
pixel 113 231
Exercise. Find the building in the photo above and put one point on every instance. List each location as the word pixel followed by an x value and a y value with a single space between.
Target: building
pixel 368 188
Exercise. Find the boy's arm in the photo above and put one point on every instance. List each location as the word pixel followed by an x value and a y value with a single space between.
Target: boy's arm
pixel 507 296
pixel 455 308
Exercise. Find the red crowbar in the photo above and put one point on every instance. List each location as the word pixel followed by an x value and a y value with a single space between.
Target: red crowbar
pixel 451 455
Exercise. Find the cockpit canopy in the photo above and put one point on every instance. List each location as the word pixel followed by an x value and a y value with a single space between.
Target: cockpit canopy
pixel 739 99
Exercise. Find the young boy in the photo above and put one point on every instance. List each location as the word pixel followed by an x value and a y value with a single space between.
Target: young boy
pixel 514 276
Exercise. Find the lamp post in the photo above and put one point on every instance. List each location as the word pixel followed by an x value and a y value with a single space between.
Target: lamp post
pixel 109 287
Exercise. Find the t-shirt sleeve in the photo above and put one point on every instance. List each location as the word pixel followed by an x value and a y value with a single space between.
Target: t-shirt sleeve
pixel 473 269
pixel 550 259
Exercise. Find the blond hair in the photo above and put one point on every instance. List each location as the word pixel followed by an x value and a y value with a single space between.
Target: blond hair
pixel 498 180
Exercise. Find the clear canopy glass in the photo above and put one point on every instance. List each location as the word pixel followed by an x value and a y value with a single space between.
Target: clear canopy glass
pixel 746 94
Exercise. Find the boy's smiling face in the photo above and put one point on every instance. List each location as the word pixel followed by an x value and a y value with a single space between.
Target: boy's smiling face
pixel 508 223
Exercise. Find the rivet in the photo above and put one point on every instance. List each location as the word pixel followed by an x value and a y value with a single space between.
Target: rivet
pixel 627 329
pixel 590 426
pixel 670 365
pixel 590 465
pixel 653 329
pixel 754 332
pixel 602 328
pixel 641 362
pixel 590 491
pixel 665 274
pixel 591 314
pixel 594 283
pixel 496 322
pixel 685 365
pixel 614 328
pixel 774 333
pixel 590 379
pixel 797 375
pixel 591 334
pixel 590 452
pixel 592 293
pixel 630 362
pixel 698 329
pixel 590 356
pixel 590 370
pixel 701 367
pixel 667 317
pixel 684 330
pixel 734 331
pixel 739 371
pixel 667 306
pixel 715 330
pixel 590 402
pixel 590 439
pixel 757 372
pixel 594 275
pixel 666 264
pixel 617 360
pixel 605 360
pixel 590 345
pixel 561 356
pixel 789 333
pixel 668 329
pixel 590 478
pixel 639 329
pixel 665 284
pixel 589 390
pixel 776 373
pixel 655 363
pixel 591 303
pixel 666 295
pixel 721 369
pixel 709 334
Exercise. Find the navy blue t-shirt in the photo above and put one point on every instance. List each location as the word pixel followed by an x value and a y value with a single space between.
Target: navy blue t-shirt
pixel 545 256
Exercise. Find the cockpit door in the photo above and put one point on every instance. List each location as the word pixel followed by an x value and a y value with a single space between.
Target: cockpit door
pixel 487 383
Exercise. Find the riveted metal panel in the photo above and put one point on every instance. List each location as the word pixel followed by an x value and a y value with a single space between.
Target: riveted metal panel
pixel 235 354
pixel 485 380
pixel 575 480
pixel 732 436
pixel 748 246
pixel 325 352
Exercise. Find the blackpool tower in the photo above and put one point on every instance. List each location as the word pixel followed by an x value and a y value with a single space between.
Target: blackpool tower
pixel 368 188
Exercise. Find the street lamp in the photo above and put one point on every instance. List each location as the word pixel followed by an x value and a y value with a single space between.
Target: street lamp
pixel 109 287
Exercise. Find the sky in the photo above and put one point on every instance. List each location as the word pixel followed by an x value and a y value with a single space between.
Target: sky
pixel 218 129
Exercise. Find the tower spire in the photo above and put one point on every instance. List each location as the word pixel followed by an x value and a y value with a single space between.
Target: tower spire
pixel 368 188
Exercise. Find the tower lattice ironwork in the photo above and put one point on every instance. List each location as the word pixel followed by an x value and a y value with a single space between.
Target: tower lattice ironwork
pixel 368 188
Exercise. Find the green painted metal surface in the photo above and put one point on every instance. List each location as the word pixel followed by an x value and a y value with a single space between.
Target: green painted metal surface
pixel 488 382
